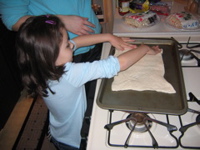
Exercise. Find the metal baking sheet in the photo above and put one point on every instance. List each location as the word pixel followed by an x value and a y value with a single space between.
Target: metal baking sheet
pixel 150 101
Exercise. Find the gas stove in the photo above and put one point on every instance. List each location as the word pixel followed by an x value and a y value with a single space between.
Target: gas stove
pixel 189 53
pixel 142 130
pixel 112 129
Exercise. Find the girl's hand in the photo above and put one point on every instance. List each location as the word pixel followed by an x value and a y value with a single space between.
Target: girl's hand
pixel 154 50
pixel 122 43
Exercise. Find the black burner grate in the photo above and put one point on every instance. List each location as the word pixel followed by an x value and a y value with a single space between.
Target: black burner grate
pixel 155 144
pixel 183 129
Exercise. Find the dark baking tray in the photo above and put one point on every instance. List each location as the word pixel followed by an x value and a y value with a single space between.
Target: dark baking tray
pixel 150 101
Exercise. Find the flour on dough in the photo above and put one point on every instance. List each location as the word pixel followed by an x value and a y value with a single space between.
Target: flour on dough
pixel 146 74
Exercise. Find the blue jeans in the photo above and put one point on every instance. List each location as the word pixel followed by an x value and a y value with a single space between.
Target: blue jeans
pixel 62 146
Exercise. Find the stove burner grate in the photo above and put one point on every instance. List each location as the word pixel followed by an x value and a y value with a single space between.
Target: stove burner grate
pixel 185 54
pixel 183 129
pixel 140 122
pixel 192 45
pixel 188 54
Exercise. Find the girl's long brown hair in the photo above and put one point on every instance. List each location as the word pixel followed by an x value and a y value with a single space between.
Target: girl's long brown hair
pixel 38 42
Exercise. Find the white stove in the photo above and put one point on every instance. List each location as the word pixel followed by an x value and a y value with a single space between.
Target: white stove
pixel 118 135
pixel 178 135
pixel 115 138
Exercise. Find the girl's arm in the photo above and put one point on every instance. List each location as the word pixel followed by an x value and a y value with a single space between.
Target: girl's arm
pixel 119 43
pixel 126 59
pixel 130 57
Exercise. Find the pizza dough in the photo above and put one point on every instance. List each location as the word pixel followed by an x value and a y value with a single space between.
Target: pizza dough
pixel 146 74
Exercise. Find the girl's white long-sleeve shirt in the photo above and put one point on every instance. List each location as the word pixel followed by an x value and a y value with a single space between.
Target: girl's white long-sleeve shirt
pixel 67 106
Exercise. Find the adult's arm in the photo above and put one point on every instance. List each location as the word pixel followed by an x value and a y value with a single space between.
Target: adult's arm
pixel 16 26
pixel 77 25
pixel 11 11
pixel 14 13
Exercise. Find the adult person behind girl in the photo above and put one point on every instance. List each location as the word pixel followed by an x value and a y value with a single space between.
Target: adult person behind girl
pixel 45 59
pixel 77 16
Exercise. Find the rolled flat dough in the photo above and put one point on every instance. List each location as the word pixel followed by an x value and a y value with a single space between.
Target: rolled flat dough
pixel 146 74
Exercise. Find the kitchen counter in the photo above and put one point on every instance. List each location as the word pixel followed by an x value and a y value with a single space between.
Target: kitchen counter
pixel 161 29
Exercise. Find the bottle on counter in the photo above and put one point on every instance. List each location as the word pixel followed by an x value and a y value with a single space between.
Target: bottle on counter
pixel 97 9
pixel 192 6
pixel 123 7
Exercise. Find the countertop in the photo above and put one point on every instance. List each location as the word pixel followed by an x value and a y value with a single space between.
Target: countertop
pixel 160 29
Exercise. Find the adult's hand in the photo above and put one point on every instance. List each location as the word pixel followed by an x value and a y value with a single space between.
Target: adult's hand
pixel 77 25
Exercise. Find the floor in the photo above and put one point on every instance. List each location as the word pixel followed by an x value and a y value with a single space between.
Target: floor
pixel 27 127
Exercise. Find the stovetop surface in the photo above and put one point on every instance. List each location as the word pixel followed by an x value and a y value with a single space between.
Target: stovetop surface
pixel 160 132
pixel 100 117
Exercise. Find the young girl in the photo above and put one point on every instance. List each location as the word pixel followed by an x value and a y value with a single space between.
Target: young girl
pixel 45 59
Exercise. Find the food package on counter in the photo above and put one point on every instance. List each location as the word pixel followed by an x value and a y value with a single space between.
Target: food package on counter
pixel 140 20
pixel 139 6
pixel 161 8
pixel 183 20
